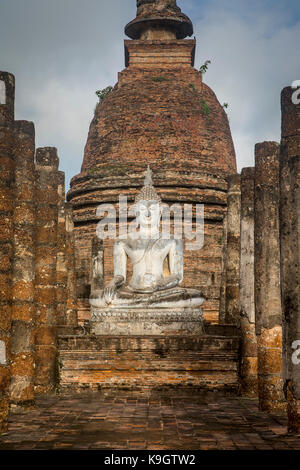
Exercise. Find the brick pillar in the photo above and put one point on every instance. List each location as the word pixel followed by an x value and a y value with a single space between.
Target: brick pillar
pixel 7 171
pixel 289 177
pixel 222 307
pixel 233 250
pixel 61 265
pixel 46 259
pixel 71 308
pixel 23 311
pixel 246 300
pixel 7 98
pixel 267 277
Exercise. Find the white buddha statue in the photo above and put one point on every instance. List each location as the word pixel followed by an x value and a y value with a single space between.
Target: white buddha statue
pixel 147 251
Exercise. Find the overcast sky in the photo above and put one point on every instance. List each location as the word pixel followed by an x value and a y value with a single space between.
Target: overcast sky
pixel 62 51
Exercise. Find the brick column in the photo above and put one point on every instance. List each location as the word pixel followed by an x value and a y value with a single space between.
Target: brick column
pixel 46 259
pixel 71 308
pixel 7 170
pixel 233 250
pixel 289 177
pixel 267 277
pixel 23 311
pixel 246 299
pixel 61 265
pixel 222 307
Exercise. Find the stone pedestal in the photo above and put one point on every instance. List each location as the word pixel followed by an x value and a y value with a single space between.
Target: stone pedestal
pixel 146 321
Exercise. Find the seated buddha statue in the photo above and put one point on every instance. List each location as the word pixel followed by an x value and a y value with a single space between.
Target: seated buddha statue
pixel 147 250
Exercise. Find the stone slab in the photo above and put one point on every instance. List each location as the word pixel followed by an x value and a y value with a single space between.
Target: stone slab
pixel 146 321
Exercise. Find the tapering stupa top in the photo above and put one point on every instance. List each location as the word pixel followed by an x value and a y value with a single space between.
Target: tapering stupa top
pixel 159 19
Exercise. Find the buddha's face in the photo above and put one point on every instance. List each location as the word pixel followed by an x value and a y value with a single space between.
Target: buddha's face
pixel 148 214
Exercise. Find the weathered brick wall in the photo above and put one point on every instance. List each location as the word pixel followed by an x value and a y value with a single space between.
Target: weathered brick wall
pixel 46 269
pixel 248 369
pixel 71 295
pixel 267 277
pixel 229 287
pixel 7 173
pixel 23 312
pixel 61 262
pixel 158 116
pixel 30 289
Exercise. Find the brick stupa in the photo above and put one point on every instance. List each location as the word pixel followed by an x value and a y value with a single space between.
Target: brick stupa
pixel 160 113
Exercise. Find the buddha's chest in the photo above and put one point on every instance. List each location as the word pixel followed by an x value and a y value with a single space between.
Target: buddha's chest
pixel 151 255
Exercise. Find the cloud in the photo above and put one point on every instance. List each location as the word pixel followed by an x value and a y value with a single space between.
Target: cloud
pixel 254 53
pixel 61 51
pixel 62 113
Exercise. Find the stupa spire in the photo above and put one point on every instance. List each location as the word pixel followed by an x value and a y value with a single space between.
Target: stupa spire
pixel 159 19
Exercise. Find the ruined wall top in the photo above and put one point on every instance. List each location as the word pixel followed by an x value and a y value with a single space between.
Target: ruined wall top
pixel 47 157
pixel 159 19
pixel 290 108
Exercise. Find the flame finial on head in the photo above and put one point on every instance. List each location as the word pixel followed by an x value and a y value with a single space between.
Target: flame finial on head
pixel 148 177
pixel 148 192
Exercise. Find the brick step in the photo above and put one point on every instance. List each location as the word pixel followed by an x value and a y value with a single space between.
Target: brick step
pixel 135 362
pixel 136 380
pixel 85 360
pixel 210 329
pixel 157 344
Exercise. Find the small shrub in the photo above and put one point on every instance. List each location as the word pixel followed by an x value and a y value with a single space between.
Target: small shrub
pixel 205 108
pixel 103 93
pixel 204 67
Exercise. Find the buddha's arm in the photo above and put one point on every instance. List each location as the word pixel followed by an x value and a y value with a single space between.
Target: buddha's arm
pixel 120 261
pixel 176 266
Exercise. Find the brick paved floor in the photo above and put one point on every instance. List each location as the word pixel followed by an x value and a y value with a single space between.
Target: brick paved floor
pixel 156 422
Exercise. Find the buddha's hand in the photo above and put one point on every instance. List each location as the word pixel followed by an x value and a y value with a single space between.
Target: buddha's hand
pixel 168 282
pixel 111 288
